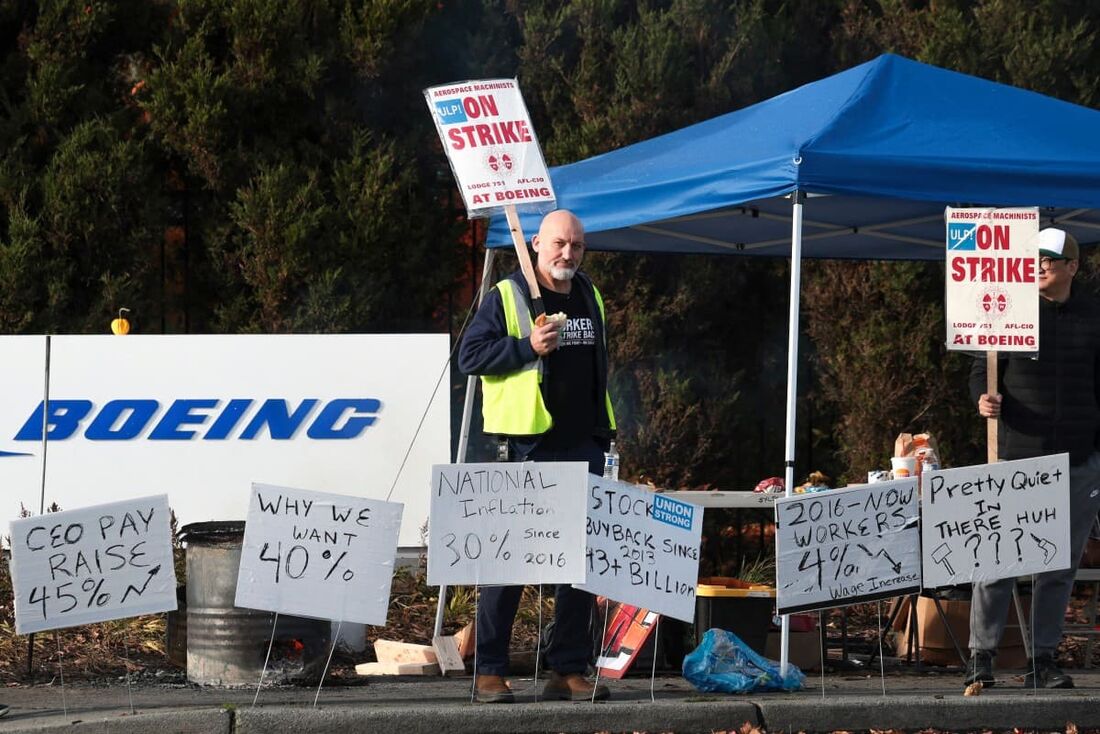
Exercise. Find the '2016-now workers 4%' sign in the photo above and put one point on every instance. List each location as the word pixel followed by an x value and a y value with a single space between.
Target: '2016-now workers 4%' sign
pixel 320 555
pixel 487 133
pixel 93 564
pixel 643 548
pixel 994 521
pixel 517 523
pixel 992 292
pixel 847 545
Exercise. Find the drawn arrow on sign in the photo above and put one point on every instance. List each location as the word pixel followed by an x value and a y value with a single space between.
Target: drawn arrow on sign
pixel 152 572
pixel 882 552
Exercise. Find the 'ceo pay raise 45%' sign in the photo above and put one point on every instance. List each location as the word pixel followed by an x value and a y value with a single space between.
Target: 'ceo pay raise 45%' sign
pixel 93 564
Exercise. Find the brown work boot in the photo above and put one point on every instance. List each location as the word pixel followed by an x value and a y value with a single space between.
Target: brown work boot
pixel 573 687
pixel 492 689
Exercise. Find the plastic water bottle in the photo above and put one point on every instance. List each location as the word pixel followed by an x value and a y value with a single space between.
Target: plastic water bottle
pixel 611 463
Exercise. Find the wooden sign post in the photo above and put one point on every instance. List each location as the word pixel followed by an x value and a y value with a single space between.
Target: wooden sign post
pixel 991 423
pixel 525 260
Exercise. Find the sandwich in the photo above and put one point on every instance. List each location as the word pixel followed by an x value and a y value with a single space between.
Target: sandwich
pixel 558 318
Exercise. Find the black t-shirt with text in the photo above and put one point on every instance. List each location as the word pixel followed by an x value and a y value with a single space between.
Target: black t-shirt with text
pixel 569 377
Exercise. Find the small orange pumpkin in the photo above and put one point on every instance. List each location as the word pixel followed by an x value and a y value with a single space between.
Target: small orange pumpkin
pixel 121 326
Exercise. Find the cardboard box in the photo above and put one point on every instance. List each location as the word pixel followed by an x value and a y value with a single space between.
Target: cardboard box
pixel 935 644
pixel 804 649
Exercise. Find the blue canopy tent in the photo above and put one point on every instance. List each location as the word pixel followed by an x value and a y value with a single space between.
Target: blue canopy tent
pixel 872 154
pixel 875 152
pixel 886 144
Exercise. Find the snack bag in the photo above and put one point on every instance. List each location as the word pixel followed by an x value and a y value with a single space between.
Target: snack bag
pixel 771 484
pixel 921 446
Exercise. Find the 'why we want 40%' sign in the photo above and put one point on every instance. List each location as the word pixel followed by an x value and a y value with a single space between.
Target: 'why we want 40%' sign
pixel 314 554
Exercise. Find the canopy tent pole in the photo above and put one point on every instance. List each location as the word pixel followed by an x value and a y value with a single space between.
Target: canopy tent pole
pixel 464 429
pixel 797 197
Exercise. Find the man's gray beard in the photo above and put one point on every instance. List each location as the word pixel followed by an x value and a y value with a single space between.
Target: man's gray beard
pixel 563 273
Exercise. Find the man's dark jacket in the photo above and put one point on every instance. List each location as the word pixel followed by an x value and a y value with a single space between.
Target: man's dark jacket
pixel 1051 404
pixel 484 352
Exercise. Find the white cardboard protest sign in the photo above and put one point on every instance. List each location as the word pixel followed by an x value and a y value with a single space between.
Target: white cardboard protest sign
pixel 847 545
pixel 994 521
pixel 314 554
pixel 992 294
pixel 507 523
pixel 93 564
pixel 643 548
pixel 491 144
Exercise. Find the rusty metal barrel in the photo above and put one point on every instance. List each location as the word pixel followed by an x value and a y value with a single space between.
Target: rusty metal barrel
pixel 226 645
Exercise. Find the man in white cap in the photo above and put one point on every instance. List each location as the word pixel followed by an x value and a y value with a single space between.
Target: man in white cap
pixel 1046 404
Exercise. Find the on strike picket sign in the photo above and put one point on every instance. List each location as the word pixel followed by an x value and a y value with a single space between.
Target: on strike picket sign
pixel 847 545
pixel 518 523
pixel 487 133
pixel 93 564
pixel 993 521
pixel 314 554
pixel 992 293
pixel 643 548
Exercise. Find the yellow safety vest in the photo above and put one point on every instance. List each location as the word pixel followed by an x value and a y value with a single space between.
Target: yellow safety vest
pixel 512 404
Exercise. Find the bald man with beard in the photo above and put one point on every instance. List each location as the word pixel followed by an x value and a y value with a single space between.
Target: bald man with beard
pixel 545 390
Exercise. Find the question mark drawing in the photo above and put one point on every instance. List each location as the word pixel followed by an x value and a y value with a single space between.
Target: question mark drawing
pixel 977 544
pixel 1019 533
pixel 996 547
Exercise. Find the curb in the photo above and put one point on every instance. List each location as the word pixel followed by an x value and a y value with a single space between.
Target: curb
pixel 178 721
pixel 536 718
pixel 905 712
pixel 1006 712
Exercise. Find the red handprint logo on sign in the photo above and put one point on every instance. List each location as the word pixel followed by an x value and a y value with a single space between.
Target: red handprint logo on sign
pixel 994 303
pixel 498 162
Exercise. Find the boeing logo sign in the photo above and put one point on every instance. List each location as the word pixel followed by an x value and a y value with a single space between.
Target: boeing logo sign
pixel 202 417
pixel 206 419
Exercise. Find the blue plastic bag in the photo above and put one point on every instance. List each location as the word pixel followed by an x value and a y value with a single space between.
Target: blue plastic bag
pixel 723 663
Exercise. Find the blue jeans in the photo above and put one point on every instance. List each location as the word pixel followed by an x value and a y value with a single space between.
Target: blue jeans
pixel 570 646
